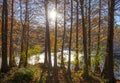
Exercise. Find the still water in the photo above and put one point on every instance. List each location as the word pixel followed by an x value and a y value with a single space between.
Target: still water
pixel 39 58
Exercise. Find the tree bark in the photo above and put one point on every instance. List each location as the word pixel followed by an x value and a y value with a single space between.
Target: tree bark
pixel 55 48
pixel 77 25
pixel 89 34
pixel 63 42
pixel 22 55
pixel 48 49
pixel 70 40
pixel 97 65
pixel 84 40
pixel 11 59
pixel 108 71
pixel 4 65
pixel 27 31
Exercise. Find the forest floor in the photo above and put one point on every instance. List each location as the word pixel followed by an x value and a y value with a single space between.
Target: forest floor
pixel 77 78
pixel 32 74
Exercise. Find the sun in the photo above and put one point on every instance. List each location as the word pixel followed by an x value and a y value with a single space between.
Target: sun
pixel 53 15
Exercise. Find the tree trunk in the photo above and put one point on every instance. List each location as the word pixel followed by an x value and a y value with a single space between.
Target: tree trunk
pixel 77 25
pixel 48 49
pixel 55 48
pixel 97 65
pixel 24 37
pixel 108 71
pixel 27 32
pixel 63 42
pixel 84 40
pixel 4 65
pixel 48 37
pixel 69 57
pixel 89 35
pixel 22 57
pixel 11 64
pixel 46 54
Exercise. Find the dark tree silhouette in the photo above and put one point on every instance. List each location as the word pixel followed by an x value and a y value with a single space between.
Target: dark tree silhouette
pixel 55 48
pixel 70 40
pixel 22 57
pixel 4 65
pixel 11 60
pixel 84 39
pixel 89 33
pixel 77 25
pixel 47 41
pixel 108 71
pixel 25 35
pixel 97 65
pixel 64 34
pixel 27 31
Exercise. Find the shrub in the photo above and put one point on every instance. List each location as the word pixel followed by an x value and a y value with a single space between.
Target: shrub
pixel 23 76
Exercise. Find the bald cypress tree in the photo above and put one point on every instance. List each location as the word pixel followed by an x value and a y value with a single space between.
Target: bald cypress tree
pixel 12 58
pixel 55 48
pixel 97 65
pixel 84 31
pixel 108 71
pixel 22 57
pixel 47 42
pixel 77 25
pixel 4 66
pixel 70 39
pixel 64 33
